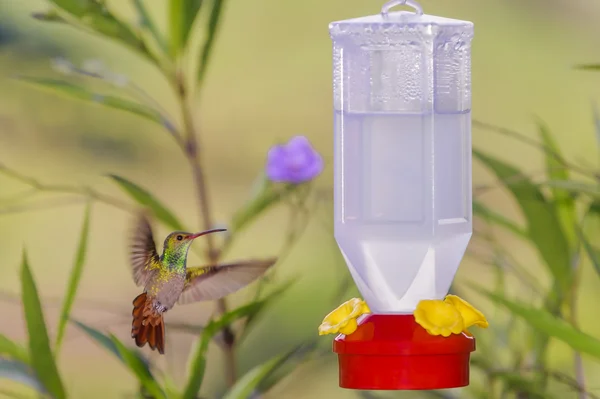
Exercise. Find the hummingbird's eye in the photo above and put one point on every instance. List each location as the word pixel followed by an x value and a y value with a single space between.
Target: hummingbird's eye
pixel 180 237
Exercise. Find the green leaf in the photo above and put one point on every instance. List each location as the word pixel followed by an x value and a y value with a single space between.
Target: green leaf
pixel 75 7
pixel 110 26
pixel 575 187
pixel 42 359
pixel 591 251
pixel 99 337
pixel 198 358
pixel 75 278
pixel 548 324
pixel 78 92
pixel 20 372
pixel 182 14
pixel 588 67
pixel 146 199
pixel 96 16
pixel 556 170
pixel 594 208
pixel 139 368
pixel 211 35
pixel 543 226
pixel 491 216
pixel 246 385
pixel 13 350
pixel 48 16
pixel 266 196
pixel 148 24
pixel 106 342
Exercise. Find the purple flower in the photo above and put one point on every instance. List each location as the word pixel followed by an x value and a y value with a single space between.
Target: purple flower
pixel 295 162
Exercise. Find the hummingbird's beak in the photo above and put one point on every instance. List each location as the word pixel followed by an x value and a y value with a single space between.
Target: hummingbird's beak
pixel 202 233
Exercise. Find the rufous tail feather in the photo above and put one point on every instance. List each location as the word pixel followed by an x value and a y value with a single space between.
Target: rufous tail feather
pixel 148 325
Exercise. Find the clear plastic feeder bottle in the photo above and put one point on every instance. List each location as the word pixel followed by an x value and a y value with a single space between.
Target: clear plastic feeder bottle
pixel 403 202
pixel 402 98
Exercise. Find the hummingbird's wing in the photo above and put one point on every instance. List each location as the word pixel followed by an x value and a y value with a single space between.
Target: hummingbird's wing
pixel 143 256
pixel 209 283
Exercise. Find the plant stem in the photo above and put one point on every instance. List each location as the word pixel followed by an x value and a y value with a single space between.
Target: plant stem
pixel 193 154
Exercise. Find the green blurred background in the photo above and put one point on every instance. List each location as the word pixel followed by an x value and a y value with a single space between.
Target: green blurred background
pixel 270 78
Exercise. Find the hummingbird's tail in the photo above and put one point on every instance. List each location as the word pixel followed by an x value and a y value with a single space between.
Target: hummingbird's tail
pixel 148 325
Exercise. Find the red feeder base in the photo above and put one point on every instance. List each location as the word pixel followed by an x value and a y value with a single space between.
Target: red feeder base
pixel 393 352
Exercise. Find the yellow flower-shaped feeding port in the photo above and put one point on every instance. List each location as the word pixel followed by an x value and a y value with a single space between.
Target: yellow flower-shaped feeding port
pixel 470 315
pixel 343 319
pixel 438 317
pixel 453 315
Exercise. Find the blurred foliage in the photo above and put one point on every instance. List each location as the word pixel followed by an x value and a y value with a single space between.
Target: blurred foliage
pixel 555 211
pixel 37 365
pixel 557 215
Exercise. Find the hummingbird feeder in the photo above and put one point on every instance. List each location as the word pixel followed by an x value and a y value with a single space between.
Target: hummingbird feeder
pixel 403 201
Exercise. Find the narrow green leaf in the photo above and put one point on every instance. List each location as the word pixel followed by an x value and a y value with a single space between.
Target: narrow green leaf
pixel 48 16
pixel 148 23
pixel 182 14
pixel 143 197
pixel 139 368
pixel 246 385
pixel 266 196
pixel 20 372
pixel 99 337
pixel 543 226
pixel 590 250
pixel 97 16
pixel 75 278
pixel 211 34
pixel 106 342
pixel 74 7
pixel 548 324
pixel 13 350
pixel 111 27
pixel 556 169
pixel 594 208
pixel 491 216
pixel 575 187
pixel 198 357
pixel 588 67
pixel 78 92
pixel 42 359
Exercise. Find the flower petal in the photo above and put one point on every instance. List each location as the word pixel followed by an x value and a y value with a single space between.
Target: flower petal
pixel 343 318
pixel 294 162
pixel 438 317
pixel 470 315
pixel 298 143
pixel 349 327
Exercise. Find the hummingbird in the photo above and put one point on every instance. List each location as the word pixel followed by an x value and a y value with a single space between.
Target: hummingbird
pixel 168 281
